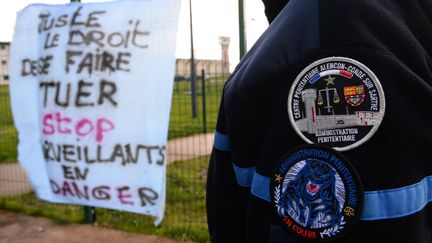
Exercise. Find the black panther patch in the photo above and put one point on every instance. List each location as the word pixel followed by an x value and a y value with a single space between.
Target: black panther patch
pixel 316 193
pixel 336 102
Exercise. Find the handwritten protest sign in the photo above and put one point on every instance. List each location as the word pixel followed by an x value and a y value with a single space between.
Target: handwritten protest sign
pixel 91 88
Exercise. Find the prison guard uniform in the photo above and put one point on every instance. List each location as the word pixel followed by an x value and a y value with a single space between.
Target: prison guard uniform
pixel 392 38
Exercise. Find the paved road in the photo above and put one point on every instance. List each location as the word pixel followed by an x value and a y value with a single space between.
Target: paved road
pixel 16 228
pixel 13 180
pixel 190 147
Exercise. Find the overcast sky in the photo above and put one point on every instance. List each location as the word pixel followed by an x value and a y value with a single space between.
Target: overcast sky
pixel 211 19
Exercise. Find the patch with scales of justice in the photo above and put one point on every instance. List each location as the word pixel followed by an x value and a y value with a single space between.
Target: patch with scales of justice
pixel 316 193
pixel 337 102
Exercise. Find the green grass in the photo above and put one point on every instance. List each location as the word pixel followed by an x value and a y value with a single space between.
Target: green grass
pixel 185 204
pixel 184 216
pixel 8 134
pixel 181 121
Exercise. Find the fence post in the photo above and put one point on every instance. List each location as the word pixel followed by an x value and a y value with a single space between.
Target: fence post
pixel 203 92
pixel 192 67
pixel 242 34
pixel 89 212
pixel 89 215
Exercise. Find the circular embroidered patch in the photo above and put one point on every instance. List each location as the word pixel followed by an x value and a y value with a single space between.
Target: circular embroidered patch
pixel 316 193
pixel 337 102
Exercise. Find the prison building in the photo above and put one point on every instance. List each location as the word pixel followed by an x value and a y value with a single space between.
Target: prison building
pixel 4 62
pixel 211 67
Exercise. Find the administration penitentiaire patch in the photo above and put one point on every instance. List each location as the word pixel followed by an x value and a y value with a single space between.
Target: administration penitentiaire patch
pixel 316 193
pixel 336 102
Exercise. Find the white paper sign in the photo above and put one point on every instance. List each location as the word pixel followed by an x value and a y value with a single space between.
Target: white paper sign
pixel 91 88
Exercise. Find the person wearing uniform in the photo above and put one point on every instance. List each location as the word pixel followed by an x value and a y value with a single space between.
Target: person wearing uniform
pixel 324 131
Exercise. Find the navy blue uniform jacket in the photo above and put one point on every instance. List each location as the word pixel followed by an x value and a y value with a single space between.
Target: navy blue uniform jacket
pixel 394 39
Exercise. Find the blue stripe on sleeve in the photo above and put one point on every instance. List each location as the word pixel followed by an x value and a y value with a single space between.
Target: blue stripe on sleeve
pixel 378 205
pixel 221 141
pixel 260 186
pixel 244 175
pixel 400 202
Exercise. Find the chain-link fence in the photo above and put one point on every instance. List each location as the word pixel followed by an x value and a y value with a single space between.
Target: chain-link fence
pixel 194 108
pixel 189 146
